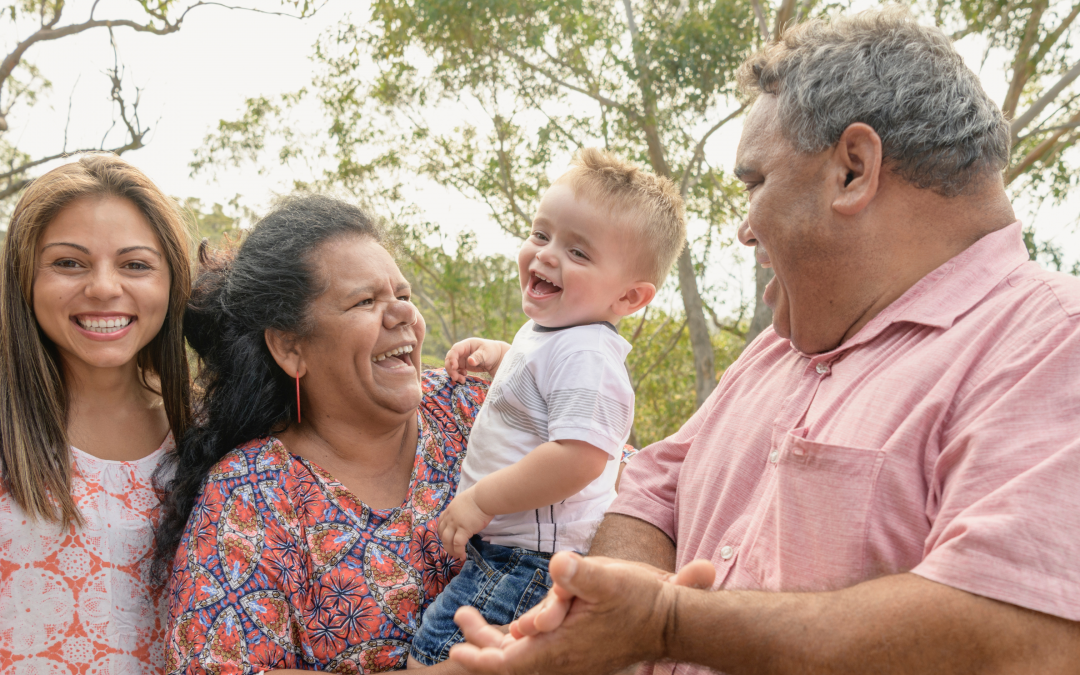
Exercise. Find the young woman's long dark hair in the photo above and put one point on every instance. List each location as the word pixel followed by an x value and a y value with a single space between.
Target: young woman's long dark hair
pixel 270 282
pixel 35 457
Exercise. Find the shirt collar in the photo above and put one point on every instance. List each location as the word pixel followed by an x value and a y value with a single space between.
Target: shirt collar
pixel 951 290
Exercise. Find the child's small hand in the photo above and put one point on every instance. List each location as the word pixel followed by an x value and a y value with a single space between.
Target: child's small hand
pixel 460 521
pixel 473 355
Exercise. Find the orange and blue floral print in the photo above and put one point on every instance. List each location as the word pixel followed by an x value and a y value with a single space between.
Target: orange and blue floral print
pixel 282 567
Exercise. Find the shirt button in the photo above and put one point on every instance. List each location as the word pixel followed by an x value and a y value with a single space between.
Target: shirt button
pixel 774 456
pixel 726 552
pixel 822 368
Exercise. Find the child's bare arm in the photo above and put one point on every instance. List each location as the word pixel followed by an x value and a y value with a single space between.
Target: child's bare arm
pixel 549 474
pixel 474 355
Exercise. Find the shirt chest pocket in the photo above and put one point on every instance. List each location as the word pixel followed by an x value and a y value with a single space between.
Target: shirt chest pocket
pixel 809 532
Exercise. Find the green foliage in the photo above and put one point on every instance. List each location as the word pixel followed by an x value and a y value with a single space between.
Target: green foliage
pixel 661 368
pixel 218 229
pixel 1048 254
pixel 460 294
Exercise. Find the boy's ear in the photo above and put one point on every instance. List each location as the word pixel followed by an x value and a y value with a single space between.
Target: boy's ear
pixel 637 296
pixel 286 352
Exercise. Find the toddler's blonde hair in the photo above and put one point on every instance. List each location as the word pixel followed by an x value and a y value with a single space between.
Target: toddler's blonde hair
pixel 649 204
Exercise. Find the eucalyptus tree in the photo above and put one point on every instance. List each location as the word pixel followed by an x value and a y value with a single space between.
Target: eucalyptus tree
pixel 652 80
pixel 1038 41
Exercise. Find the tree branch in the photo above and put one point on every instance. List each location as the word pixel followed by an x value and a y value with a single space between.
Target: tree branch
pixel 663 356
pixel 1046 99
pixel 783 16
pixel 603 100
pixel 699 151
pixel 763 23
pixel 1042 151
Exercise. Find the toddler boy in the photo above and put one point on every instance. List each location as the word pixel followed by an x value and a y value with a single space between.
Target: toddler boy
pixel 544 451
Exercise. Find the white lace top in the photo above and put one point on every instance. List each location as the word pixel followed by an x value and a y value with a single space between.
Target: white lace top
pixel 80 601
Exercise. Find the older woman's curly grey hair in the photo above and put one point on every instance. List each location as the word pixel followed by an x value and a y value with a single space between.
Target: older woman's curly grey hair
pixel 939 130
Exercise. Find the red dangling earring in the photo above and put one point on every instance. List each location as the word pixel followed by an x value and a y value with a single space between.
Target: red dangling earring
pixel 298 397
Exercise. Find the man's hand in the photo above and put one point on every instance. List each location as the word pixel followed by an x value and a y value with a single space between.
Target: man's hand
pixel 618 616
pixel 474 355
pixel 460 521
pixel 552 610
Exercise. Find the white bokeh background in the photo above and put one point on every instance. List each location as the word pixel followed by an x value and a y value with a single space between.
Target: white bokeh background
pixel 221 57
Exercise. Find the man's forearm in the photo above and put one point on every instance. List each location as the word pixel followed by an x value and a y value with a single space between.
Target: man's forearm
pixel 898 624
pixel 632 539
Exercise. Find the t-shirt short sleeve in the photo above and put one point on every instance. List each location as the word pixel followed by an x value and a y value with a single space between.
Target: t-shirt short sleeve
pixel 590 398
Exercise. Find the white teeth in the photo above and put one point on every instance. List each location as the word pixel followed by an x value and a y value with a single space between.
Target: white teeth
pixel 543 278
pixel 105 325
pixel 407 349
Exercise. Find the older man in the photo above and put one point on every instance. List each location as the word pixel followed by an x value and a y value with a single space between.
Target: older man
pixel 889 481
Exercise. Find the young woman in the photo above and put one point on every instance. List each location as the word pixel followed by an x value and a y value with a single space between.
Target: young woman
pixel 93 376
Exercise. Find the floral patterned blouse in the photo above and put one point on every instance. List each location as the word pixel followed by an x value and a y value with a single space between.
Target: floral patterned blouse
pixel 282 567
pixel 80 600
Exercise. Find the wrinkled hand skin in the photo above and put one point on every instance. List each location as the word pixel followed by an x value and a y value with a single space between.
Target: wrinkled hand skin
pixel 590 624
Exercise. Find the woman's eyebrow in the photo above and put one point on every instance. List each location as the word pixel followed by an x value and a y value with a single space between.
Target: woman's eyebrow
pixel 85 250
pixel 64 243
pixel 129 249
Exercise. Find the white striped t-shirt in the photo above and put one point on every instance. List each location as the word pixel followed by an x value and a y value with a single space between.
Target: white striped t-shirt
pixel 554 384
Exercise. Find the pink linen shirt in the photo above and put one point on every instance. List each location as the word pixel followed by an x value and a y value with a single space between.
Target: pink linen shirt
pixel 942 439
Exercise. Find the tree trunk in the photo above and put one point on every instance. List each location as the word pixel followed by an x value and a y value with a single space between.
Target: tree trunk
pixel 704 360
pixel 762 314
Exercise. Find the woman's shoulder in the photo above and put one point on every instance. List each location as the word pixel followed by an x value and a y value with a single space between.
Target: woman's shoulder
pixel 440 390
pixel 257 456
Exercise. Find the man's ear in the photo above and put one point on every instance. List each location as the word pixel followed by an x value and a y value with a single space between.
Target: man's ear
pixel 857 168
pixel 637 296
pixel 285 349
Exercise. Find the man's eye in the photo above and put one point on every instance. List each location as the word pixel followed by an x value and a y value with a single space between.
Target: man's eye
pixel 406 298
pixel 366 302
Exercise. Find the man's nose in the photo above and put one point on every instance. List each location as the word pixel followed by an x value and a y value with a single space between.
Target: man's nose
pixel 746 235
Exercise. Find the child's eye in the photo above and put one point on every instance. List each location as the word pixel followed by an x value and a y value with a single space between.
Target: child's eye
pixel 578 254
pixel 540 235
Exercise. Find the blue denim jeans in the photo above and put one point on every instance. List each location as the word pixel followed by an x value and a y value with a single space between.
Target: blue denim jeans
pixel 502 582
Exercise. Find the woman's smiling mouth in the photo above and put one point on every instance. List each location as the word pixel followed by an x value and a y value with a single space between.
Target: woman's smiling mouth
pixel 99 326
pixel 402 354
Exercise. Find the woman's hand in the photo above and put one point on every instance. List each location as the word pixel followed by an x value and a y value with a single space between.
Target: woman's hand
pixel 474 355
pixel 460 521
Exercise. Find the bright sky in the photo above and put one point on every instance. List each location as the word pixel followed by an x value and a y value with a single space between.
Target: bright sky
pixel 221 57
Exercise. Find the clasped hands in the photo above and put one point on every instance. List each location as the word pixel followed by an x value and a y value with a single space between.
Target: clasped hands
pixel 601 616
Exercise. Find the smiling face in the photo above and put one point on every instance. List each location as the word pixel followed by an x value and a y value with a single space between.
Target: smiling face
pixel 824 267
pixel 363 355
pixel 101 287
pixel 576 263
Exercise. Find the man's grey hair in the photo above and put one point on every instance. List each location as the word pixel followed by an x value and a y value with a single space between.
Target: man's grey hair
pixel 939 130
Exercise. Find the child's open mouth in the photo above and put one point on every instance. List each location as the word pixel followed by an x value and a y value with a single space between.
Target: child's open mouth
pixel 540 288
